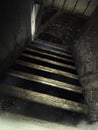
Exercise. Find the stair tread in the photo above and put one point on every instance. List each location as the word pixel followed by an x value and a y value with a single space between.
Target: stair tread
pixel 48 61
pixel 44 73
pixel 43 80
pixel 54 47
pixel 61 47
pixel 47 69
pixel 51 50
pixel 44 88
pixel 50 65
pixel 46 78
pixel 40 51
pixel 35 53
pixel 45 99
pixel 32 46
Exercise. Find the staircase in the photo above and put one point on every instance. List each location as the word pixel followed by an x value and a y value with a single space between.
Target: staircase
pixel 45 73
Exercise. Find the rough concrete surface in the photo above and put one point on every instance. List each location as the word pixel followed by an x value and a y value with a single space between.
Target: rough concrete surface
pixel 86 55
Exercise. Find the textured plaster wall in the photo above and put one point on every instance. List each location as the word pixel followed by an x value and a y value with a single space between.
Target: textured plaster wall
pixel 15 29
pixel 86 55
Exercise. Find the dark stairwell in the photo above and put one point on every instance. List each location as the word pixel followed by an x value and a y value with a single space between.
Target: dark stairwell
pixel 49 70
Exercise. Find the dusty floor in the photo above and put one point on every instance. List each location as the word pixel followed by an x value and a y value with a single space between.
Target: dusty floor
pixel 16 122
pixel 21 115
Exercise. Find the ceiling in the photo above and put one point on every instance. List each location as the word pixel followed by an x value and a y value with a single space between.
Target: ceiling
pixel 84 7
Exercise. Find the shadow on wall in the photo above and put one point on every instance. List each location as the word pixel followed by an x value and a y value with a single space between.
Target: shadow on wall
pixel 15 30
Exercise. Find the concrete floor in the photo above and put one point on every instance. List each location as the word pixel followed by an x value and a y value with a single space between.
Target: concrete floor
pixel 17 114
pixel 16 122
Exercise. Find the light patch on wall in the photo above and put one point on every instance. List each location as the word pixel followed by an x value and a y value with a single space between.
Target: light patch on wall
pixel 33 19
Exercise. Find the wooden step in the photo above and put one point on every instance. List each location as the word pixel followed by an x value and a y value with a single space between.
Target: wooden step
pixel 49 61
pixel 44 99
pixel 47 69
pixel 51 50
pixel 53 45
pixel 47 54
pixel 47 81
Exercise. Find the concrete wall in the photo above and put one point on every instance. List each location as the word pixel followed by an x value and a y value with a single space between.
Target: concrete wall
pixel 15 29
pixel 86 55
